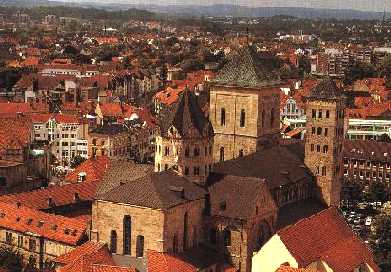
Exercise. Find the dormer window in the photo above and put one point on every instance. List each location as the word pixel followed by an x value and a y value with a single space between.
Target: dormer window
pixel 81 176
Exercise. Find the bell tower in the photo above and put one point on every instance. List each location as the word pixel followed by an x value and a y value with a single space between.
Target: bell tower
pixel 325 109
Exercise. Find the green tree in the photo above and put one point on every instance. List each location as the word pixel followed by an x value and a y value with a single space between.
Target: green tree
pixel 10 259
pixel 385 70
pixel 76 161
pixel 359 70
pixel 381 239
pixel 378 191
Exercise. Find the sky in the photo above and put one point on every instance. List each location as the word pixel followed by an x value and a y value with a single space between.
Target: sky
pixel 365 5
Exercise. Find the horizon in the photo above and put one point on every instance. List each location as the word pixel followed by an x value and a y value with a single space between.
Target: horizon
pixel 361 5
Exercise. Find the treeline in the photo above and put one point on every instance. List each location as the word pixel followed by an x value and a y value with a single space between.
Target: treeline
pixel 38 13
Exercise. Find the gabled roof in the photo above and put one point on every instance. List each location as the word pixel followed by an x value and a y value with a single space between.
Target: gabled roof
pixel 54 227
pixel 277 165
pixel 121 172
pixel 326 89
pixel 186 117
pixel 326 236
pixel 196 259
pixel 242 203
pixel 246 69
pixel 162 190
pixel 93 168
pixel 89 257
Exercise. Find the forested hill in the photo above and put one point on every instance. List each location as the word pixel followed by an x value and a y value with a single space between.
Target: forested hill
pixel 91 13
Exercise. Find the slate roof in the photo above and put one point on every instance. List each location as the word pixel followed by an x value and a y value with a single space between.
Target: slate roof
pixel 240 204
pixel 186 116
pixel 278 165
pixel 121 171
pixel 326 89
pixel 162 190
pixel 246 69
pixel 326 236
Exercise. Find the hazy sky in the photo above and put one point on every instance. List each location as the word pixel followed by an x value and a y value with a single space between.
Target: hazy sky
pixel 367 5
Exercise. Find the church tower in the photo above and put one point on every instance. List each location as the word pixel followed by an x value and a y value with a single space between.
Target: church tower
pixel 184 142
pixel 325 107
pixel 244 105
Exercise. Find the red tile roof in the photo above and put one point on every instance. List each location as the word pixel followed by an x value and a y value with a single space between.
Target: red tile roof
pixel 82 258
pixel 86 249
pixel 12 108
pixel 94 169
pixel 90 257
pixel 60 195
pixel 15 133
pixel 53 227
pixel 111 109
pixel 164 262
pixel 326 236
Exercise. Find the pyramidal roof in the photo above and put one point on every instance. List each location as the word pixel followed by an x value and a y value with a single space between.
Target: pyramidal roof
pixel 246 69
pixel 326 89
pixel 186 117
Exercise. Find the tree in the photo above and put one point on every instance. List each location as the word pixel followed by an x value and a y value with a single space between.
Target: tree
pixel 76 161
pixel 378 191
pixel 381 238
pixel 10 259
pixel 359 70
pixel 385 70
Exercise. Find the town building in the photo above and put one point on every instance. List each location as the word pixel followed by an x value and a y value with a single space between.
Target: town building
pixel 325 108
pixel 322 242
pixel 244 106
pixel 38 235
pixel 185 139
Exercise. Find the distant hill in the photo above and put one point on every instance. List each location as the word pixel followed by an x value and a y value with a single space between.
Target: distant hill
pixel 242 11
pixel 212 10
pixel 41 8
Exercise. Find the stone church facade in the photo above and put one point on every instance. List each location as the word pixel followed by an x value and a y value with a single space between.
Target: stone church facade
pixel 255 186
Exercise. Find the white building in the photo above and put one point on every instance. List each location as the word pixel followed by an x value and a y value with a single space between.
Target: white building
pixel 65 134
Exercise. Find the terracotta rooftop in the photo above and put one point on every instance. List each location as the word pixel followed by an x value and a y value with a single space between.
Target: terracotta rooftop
pixel 53 227
pixel 58 195
pixel 93 169
pixel 326 236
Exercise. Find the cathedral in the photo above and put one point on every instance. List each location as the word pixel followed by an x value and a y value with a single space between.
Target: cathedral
pixel 223 185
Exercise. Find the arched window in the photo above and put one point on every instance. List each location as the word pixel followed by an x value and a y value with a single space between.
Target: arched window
pixel 187 152
pixel 241 153
pixel 325 149
pixel 185 230
pixel 113 241
pixel 140 246
pixel 242 118
pixel 221 154
pixel 327 114
pixel 222 117
pixel 272 117
pixel 227 237
pixel 127 234
pixel 263 118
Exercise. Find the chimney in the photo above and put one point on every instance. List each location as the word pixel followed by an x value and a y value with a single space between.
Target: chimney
pixel 18 204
